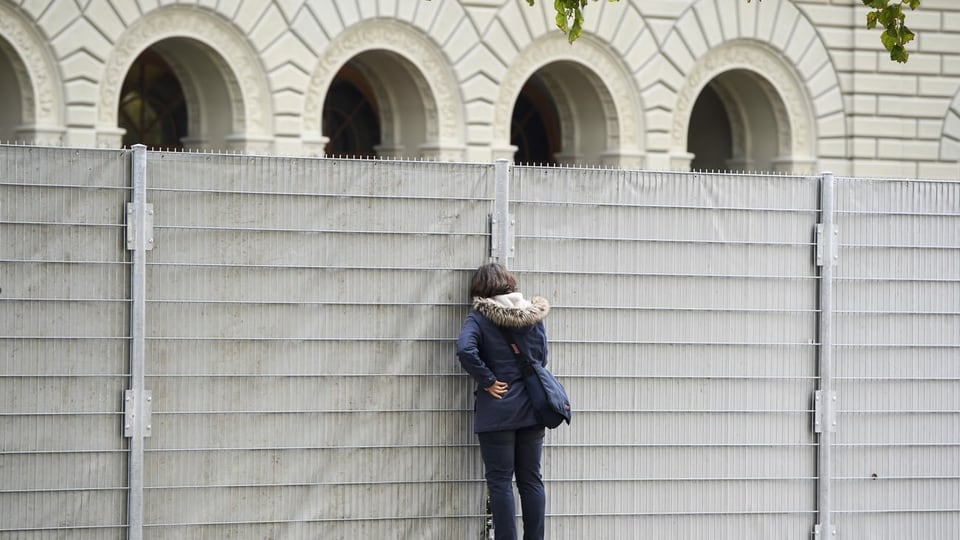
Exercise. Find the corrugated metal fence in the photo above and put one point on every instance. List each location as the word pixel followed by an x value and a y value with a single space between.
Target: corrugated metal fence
pixel 291 373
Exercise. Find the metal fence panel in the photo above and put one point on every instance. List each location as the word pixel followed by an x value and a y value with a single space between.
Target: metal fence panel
pixel 63 344
pixel 684 325
pixel 897 466
pixel 301 314
pixel 300 319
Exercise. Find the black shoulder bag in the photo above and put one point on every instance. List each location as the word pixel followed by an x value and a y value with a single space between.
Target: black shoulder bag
pixel 551 404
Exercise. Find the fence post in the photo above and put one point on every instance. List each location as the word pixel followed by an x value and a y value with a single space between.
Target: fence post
pixel 137 401
pixel 825 399
pixel 501 224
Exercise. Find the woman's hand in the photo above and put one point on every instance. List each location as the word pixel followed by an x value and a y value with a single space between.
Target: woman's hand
pixel 497 389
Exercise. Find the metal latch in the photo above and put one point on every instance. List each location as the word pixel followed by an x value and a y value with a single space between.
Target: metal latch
pixel 132 227
pixel 818 417
pixel 130 413
pixel 833 245
pixel 818 529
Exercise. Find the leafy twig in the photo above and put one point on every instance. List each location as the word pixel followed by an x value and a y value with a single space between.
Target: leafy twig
pixel 889 15
pixel 569 17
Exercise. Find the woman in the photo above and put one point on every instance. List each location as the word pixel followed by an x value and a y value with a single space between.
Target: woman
pixel 511 437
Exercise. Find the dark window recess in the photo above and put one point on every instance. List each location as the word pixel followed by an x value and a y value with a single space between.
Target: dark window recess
pixel 350 120
pixel 153 110
pixel 534 128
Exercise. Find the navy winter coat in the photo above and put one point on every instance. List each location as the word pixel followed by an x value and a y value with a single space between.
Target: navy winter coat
pixel 487 357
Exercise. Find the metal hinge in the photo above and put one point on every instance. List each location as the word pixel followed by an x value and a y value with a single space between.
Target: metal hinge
pixel 821 241
pixel 132 227
pixel 818 528
pixel 818 412
pixel 133 417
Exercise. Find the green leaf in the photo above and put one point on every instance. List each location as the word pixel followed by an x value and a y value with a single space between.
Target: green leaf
pixel 906 36
pixel 899 54
pixel 561 18
pixel 577 27
pixel 569 16
pixel 872 20
pixel 889 40
pixel 887 16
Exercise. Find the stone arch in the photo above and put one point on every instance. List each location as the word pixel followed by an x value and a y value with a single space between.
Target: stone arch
pixel 583 105
pixel 950 136
pixel 762 133
pixel 770 76
pixel 589 66
pixel 33 79
pixel 780 46
pixel 407 111
pixel 381 47
pixel 218 68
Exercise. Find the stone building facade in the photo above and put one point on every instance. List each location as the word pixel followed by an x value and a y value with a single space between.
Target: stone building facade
pixel 771 85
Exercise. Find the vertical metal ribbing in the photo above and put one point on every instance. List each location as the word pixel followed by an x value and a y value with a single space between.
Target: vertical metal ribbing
pixel 826 399
pixel 500 223
pixel 500 247
pixel 137 215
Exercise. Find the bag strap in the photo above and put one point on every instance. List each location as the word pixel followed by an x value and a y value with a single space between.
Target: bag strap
pixel 526 368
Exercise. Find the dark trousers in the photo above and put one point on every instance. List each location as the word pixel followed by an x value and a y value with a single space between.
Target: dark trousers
pixel 509 453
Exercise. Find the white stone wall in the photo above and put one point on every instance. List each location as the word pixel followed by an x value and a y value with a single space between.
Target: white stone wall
pixel 902 119
pixel 840 103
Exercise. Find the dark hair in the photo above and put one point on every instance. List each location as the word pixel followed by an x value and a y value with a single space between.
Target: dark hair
pixel 492 280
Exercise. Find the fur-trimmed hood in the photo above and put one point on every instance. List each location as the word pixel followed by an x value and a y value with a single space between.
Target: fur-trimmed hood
pixel 512 309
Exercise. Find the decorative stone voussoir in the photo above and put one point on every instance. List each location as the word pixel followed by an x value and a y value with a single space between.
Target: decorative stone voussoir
pixel 444 105
pixel 592 56
pixel 796 116
pixel 239 64
pixel 32 62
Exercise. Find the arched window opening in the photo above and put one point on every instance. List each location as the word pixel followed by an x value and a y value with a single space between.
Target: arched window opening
pixel 739 123
pixel 350 116
pixel 535 125
pixel 709 138
pixel 153 110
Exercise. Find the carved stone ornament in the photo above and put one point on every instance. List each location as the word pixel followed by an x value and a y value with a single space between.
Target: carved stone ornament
pixel 792 105
pixel 34 69
pixel 615 87
pixel 950 136
pixel 437 85
pixel 232 54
